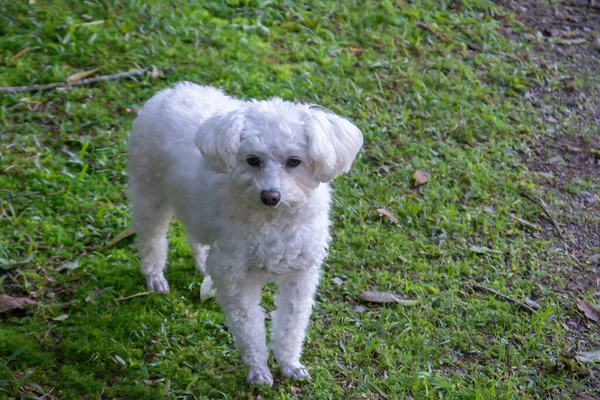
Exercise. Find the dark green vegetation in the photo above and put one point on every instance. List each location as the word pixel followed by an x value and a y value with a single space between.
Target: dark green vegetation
pixel 432 84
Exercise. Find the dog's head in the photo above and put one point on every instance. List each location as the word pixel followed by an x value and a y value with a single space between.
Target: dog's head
pixel 277 152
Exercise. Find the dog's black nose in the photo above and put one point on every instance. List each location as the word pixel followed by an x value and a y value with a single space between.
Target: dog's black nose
pixel 270 197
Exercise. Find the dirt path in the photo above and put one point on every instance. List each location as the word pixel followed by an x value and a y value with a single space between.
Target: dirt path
pixel 566 151
pixel 565 155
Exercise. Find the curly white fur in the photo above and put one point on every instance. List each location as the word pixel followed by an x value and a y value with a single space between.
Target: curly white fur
pixel 189 152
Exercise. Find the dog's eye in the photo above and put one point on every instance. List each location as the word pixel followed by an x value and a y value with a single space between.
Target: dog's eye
pixel 253 161
pixel 293 163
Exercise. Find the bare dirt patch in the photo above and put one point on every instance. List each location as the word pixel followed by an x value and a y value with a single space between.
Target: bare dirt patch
pixel 565 155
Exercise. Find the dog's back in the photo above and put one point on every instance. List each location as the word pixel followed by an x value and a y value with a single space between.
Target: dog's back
pixel 166 126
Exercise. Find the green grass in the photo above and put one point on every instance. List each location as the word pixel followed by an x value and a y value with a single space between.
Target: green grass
pixel 423 99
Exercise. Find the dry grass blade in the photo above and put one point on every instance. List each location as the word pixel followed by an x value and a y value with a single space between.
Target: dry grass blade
pixel 588 310
pixel 389 215
pixel 9 303
pixel 123 235
pixel 546 211
pixel 385 297
pixel 133 295
pixel 20 54
pixel 571 42
pixel 524 223
pixel 81 75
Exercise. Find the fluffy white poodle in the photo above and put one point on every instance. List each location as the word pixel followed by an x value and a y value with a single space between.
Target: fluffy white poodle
pixel 249 182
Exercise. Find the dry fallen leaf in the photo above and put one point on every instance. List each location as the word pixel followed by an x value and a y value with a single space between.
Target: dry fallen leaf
pixel 423 25
pixel 589 356
pixel 125 234
pixel 81 75
pixel 338 281
pixel 355 50
pixel 421 177
pixel 588 310
pixel 385 297
pixel 154 73
pixel 93 294
pixel 389 215
pixel 8 303
pixel 61 317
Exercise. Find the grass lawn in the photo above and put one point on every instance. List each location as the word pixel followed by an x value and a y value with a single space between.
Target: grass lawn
pixel 433 84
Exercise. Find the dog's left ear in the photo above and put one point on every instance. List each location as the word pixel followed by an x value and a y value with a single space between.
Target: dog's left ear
pixel 333 143
pixel 218 139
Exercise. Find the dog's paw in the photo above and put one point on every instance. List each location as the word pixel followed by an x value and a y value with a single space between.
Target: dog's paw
pixel 157 283
pixel 259 375
pixel 296 372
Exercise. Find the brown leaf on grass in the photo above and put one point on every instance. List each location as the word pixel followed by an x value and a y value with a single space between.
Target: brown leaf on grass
pixel 355 50
pixel 423 25
pixel 125 234
pixel 389 215
pixel 81 75
pixel 588 310
pixel 9 303
pixel 385 297
pixel 421 177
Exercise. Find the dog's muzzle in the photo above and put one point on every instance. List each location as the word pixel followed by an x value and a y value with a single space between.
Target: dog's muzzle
pixel 270 197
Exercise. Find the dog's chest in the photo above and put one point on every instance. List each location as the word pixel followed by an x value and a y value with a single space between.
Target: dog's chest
pixel 283 249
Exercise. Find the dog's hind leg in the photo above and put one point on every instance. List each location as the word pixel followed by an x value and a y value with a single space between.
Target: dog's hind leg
pixel 150 220
pixel 294 301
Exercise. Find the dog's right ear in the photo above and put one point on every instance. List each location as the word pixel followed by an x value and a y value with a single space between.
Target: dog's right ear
pixel 218 139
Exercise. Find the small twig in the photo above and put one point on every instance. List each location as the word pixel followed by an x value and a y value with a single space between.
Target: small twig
pixel 19 54
pixel 50 86
pixel 133 295
pixel 541 203
pixel 524 306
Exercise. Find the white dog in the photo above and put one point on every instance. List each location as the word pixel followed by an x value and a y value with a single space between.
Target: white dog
pixel 248 180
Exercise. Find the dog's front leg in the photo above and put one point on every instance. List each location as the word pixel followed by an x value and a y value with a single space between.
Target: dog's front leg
pixel 240 301
pixel 294 301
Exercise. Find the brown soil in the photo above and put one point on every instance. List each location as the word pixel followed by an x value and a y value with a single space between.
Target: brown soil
pixel 566 153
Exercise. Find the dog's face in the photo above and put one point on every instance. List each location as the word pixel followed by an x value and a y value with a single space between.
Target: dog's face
pixel 277 153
